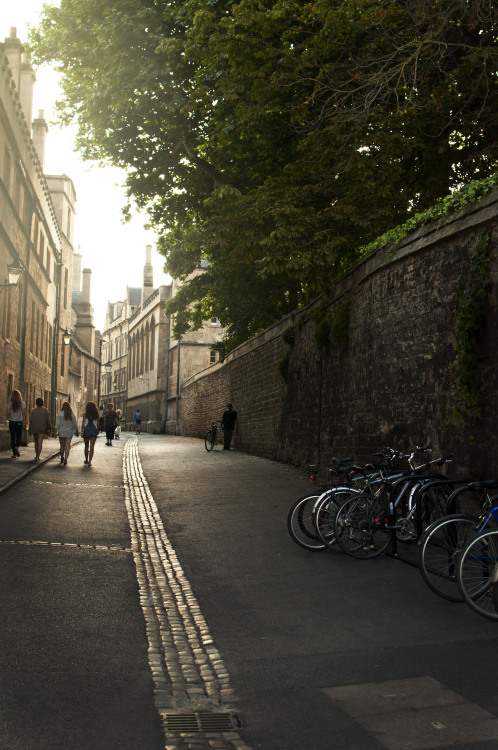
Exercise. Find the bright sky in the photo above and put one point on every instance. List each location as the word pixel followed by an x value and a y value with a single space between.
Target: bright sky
pixel 114 251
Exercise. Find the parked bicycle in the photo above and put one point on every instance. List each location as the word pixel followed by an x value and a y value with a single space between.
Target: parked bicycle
pixel 365 526
pixel 343 479
pixel 211 439
pixel 444 540
pixel 477 573
pixel 300 516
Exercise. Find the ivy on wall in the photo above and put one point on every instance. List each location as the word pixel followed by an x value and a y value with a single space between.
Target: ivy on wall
pixel 440 211
pixel 473 288
pixel 334 330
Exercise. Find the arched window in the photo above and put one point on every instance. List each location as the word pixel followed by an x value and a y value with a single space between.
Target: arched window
pixel 146 347
pixel 152 343
pixel 141 360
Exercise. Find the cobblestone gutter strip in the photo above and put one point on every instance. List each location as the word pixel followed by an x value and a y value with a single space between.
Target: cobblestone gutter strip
pixel 187 669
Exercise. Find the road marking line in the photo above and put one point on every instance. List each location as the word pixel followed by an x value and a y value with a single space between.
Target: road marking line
pixel 74 545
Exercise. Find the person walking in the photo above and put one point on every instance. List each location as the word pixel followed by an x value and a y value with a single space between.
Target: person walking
pixel 40 425
pixel 66 427
pixel 119 418
pixel 228 425
pixel 101 418
pixel 110 418
pixel 16 414
pixel 91 426
pixel 137 418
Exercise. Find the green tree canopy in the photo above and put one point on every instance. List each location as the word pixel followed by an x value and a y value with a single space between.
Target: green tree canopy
pixel 270 139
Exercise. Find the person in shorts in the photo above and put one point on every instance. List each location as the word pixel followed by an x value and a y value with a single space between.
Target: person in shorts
pixel 91 428
pixel 40 425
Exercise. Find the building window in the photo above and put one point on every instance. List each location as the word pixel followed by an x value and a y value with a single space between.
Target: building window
pixel 213 356
pixel 37 334
pixel 7 169
pixel 32 326
pixel 66 275
pixel 36 233
pixel 42 339
pixel 63 356
pixel 214 321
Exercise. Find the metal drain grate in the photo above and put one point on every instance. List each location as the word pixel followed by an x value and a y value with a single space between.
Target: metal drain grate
pixel 202 722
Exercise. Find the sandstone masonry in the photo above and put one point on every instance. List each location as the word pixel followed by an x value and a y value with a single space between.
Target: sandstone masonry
pixel 390 385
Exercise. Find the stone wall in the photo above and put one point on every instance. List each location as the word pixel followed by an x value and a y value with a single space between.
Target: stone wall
pixel 391 383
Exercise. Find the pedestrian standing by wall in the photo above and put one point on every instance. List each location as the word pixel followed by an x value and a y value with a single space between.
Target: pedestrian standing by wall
pixel 91 425
pixel 110 419
pixel 101 418
pixel 16 414
pixel 228 425
pixel 39 425
pixel 66 427
pixel 137 418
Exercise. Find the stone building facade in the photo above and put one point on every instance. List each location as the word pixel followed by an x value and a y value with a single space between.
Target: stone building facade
pixel 114 349
pixel 84 344
pixel 36 231
pixel 144 366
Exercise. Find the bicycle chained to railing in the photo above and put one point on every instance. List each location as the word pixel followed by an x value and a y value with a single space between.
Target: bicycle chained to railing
pixel 366 525
pixel 344 479
pixel 211 439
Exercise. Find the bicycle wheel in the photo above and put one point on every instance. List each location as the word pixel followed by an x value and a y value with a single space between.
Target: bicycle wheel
pixel 210 440
pixel 476 572
pixel 360 527
pixel 439 546
pixel 300 524
pixel 325 513
pixel 435 503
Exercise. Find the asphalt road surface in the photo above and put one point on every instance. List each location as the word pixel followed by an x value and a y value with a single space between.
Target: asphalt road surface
pixel 162 584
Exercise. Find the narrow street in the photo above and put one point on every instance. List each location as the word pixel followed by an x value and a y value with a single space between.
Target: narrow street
pixel 156 601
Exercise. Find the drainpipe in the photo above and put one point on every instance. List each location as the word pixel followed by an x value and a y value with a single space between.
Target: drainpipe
pixel 55 347
pixel 24 306
pixel 178 388
pixel 168 337
pixel 319 413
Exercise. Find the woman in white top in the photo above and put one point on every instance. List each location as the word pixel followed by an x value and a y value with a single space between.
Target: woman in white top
pixel 91 424
pixel 16 414
pixel 66 427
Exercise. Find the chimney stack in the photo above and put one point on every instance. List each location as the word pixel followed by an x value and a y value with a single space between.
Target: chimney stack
pixel 13 49
pixel 84 322
pixel 87 280
pixel 148 283
pixel 27 80
pixel 77 259
pixel 40 130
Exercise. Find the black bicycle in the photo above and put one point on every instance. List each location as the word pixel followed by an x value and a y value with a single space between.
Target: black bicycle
pixel 211 438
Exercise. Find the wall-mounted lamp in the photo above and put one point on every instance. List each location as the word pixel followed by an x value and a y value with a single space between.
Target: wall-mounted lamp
pixel 66 337
pixel 15 272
